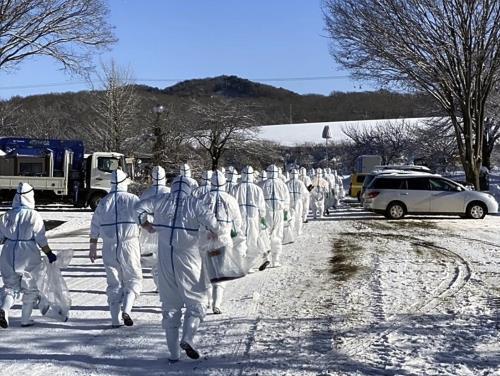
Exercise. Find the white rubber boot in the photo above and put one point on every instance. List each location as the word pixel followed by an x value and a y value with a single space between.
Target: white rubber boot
pixel 172 335
pixel 114 309
pixel 154 273
pixel 128 303
pixel 218 294
pixel 275 263
pixel 26 315
pixel 189 330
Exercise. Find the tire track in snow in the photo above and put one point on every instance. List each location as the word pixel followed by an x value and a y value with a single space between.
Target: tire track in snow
pixel 460 275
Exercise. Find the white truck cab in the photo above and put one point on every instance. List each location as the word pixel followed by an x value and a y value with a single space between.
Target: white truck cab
pixel 100 165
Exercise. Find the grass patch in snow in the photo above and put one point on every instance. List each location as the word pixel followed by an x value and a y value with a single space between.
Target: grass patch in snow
pixel 402 224
pixel 343 263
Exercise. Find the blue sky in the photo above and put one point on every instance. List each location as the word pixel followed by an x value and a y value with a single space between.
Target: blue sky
pixel 183 39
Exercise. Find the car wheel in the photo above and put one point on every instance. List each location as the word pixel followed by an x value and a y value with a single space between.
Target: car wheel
pixel 476 210
pixel 395 210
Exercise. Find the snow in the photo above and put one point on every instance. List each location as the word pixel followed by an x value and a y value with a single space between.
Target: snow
pixel 409 297
pixel 301 133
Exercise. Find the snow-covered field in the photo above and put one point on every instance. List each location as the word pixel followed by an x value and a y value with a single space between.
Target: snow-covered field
pixel 301 133
pixel 357 295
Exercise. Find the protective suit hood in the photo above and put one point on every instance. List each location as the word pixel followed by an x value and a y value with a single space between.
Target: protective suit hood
pixel 119 181
pixel 294 174
pixel 303 171
pixel 205 178
pixel 185 170
pixel 232 175
pixel 218 181
pixel 247 175
pixel 158 175
pixel 25 196
pixel 181 187
pixel 272 172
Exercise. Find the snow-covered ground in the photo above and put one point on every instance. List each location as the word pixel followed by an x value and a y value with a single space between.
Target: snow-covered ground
pixel 301 133
pixel 357 295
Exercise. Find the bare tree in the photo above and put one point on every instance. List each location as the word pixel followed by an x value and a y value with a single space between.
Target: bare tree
pixel 224 125
pixel 167 137
pixel 116 106
pixel 491 126
pixel 447 48
pixel 392 140
pixel 8 117
pixel 436 145
pixel 66 30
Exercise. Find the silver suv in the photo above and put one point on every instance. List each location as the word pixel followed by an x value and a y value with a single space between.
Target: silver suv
pixel 397 195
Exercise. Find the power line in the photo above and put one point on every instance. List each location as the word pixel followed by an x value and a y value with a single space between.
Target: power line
pixel 137 80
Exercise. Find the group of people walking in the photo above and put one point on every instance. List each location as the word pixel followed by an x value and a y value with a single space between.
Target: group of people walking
pixel 250 215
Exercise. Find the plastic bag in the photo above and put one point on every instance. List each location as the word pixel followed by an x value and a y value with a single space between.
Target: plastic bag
pixel 149 248
pixel 54 293
pixel 222 264
pixel 264 240
pixel 288 229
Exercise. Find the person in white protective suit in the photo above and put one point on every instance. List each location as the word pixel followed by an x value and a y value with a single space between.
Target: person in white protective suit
pixel 204 187
pixel 115 221
pixel 334 187
pixel 185 171
pixel 340 183
pixel 318 194
pixel 263 178
pixel 158 187
pixel 304 178
pixel 252 205
pixel 226 210
pixel 231 180
pixel 281 175
pixel 178 218
pixel 297 191
pixel 23 233
pixel 277 207
pixel 159 183
pixel 330 195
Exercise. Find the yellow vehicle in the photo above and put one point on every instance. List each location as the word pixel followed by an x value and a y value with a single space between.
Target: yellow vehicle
pixel 357 179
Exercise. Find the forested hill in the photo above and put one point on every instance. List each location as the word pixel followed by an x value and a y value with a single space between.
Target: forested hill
pixel 76 115
pixel 280 105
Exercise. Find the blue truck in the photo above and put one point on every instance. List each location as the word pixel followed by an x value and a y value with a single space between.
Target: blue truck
pixel 59 170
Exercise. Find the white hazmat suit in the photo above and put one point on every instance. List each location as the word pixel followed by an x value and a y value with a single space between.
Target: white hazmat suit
pixel 297 191
pixel 252 205
pixel 226 210
pixel 158 187
pixel 318 194
pixel 185 171
pixel 304 178
pixel 115 221
pixel 23 232
pixel 204 187
pixel 159 183
pixel 277 207
pixel 231 180
pixel 178 217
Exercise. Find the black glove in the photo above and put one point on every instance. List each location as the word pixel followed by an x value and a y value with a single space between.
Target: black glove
pixel 51 256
